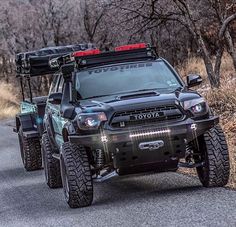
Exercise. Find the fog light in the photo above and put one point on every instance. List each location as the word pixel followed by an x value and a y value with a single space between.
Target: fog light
pixel 194 127
pixel 104 139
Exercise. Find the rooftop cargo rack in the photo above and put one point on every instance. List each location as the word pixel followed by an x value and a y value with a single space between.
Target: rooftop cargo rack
pixel 36 63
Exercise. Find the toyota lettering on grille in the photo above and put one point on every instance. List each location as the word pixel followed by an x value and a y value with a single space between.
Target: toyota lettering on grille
pixel 145 116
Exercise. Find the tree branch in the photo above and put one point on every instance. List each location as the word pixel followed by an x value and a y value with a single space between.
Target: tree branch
pixel 225 25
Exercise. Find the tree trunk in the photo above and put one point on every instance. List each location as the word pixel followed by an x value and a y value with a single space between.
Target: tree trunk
pixel 213 78
pixel 231 48
pixel 217 67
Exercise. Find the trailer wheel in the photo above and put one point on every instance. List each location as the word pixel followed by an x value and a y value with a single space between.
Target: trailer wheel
pixel 30 150
pixel 76 175
pixel 51 165
pixel 215 157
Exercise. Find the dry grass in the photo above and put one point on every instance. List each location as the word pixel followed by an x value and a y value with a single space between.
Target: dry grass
pixel 222 101
pixel 193 65
pixel 8 101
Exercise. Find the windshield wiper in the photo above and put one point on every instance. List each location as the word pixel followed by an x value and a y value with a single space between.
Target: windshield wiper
pixel 96 96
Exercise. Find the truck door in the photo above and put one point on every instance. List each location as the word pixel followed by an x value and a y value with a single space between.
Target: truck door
pixel 51 109
pixel 57 121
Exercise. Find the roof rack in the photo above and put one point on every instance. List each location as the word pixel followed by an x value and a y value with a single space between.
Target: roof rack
pixel 36 63
pixel 88 58
pixel 117 56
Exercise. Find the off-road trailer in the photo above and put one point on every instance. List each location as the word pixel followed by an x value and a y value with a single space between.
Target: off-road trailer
pixel 29 121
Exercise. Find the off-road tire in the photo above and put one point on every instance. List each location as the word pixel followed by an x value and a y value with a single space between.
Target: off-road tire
pixel 51 165
pixel 30 149
pixel 76 175
pixel 215 157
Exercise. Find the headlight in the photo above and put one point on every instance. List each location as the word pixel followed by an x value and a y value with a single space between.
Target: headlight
pixel 196 106
pixel 87 121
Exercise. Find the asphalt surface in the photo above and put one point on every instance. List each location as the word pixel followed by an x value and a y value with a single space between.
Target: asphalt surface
pixel 167 199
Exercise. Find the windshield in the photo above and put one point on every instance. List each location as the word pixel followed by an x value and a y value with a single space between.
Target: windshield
pixel 126 78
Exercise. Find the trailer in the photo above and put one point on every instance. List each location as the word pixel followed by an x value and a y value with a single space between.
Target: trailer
pixel 29 121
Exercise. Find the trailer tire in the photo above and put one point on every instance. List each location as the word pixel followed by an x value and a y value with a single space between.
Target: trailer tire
pixel 30 150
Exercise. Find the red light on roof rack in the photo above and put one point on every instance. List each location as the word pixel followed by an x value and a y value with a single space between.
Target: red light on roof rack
pixel 86 53
pixel 131 47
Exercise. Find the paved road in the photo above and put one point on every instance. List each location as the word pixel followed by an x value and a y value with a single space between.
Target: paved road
pixel 168 199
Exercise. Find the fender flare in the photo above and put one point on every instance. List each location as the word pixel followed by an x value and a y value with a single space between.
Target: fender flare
pixel 26 121
pixel 48 128
pixel 68 130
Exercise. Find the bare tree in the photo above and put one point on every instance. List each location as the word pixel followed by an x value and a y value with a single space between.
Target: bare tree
pixel 178 28
pixel 173 18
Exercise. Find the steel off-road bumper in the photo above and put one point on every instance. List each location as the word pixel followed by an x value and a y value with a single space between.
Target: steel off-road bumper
pixel 147 148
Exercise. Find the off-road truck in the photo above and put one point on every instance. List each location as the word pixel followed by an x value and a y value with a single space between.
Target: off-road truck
pixel 124 112
pixel 29 122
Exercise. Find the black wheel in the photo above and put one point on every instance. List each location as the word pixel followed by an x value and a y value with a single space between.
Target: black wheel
pixel 215 157
pixel 51 165
pixel 76 175
pixel 30 149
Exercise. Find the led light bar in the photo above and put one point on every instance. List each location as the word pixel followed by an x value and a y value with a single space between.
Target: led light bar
pixel 131 47
pixel 86 53
pixel 151 133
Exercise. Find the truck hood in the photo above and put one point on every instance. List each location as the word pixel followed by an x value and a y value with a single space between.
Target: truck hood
pixel 111 104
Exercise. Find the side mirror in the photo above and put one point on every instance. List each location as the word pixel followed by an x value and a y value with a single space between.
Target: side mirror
pixel 193 80
pixel 67 111
pixel 55 98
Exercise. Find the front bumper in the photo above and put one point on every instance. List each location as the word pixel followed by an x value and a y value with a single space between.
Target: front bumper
pixel 124 147
pixel 189 128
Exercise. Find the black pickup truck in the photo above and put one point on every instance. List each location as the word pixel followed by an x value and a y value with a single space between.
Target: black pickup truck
pixel 124 112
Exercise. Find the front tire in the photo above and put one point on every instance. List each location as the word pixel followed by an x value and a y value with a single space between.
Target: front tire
pixel 76 175
pixel 51 165
pixel 30 150
pixel 215 157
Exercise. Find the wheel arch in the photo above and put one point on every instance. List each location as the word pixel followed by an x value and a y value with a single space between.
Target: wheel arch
pixel 18 123
pixel 68 130
pixel 25 121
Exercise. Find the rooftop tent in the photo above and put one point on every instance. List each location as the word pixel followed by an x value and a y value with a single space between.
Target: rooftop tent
pixel 36 63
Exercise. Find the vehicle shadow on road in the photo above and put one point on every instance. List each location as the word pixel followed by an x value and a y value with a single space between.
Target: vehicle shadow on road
pixel 26 187
pixel 128 189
